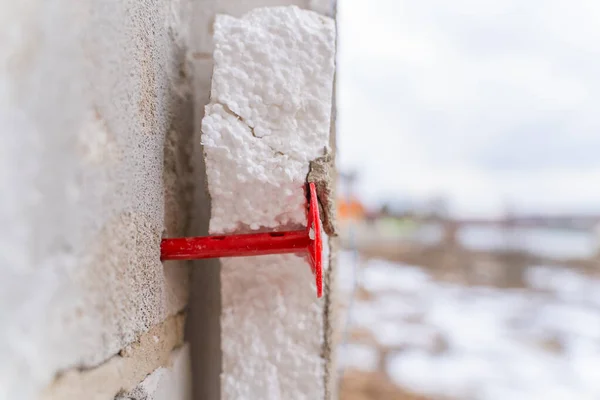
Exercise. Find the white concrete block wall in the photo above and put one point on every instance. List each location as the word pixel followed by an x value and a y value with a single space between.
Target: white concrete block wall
pixel 89 95
pixel 96 122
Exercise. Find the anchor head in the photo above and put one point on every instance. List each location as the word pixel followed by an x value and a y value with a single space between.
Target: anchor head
pixel 315 248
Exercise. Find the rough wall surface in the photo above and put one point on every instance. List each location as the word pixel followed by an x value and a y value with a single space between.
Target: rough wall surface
pixel 269 116
pixel 122 373
pixel 95 124
pixel 165 383
pixel 90 92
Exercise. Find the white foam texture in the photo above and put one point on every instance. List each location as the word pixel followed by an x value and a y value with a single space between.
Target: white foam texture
pixel 269 116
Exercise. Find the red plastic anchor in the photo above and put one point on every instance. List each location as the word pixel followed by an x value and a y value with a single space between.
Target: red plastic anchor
pixel 256 244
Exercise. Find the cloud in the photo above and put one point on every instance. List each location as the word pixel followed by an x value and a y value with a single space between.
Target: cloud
pixel 483 101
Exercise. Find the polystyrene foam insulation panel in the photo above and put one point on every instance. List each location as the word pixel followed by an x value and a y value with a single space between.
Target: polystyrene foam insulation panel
pixel 268 117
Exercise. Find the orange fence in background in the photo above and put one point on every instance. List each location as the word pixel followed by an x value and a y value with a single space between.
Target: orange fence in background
pixel 350 210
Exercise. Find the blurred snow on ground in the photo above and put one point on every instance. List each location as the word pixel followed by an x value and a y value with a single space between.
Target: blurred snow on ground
pixel 359 356
pixel 463 342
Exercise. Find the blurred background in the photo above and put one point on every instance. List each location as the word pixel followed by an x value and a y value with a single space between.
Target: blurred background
pixel 469 199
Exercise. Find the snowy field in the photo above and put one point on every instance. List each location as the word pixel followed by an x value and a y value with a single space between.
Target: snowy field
pixel 451 341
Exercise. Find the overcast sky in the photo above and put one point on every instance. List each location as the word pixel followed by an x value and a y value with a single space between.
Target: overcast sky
pixel 488 102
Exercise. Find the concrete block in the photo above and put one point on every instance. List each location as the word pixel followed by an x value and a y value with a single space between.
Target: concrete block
pixel 123 372
pixel 89 91
pixel 172 382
